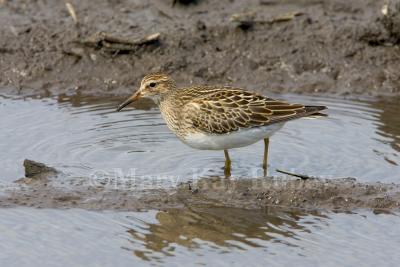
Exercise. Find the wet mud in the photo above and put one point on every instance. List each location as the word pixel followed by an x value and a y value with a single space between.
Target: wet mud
pixel 336 47
pixel 343 194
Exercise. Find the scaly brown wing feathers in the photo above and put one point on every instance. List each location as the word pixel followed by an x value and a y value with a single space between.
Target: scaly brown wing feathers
pixel 223 110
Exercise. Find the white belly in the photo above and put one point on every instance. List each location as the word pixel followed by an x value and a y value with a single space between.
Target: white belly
pixel 236 139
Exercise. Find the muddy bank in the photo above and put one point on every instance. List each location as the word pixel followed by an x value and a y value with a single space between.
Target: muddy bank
pixel 44 190
pixel 337 47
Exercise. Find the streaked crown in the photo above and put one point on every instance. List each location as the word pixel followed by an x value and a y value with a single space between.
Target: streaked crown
pixel 156 84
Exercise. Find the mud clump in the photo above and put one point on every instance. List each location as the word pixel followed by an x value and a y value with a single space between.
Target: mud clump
pixel 34 169
pixel 331 194
pixel 36 172
pixel 384 29
pixel 258 193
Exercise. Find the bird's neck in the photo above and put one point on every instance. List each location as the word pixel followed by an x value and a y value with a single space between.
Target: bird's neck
pixel 169 106
pixel 169 97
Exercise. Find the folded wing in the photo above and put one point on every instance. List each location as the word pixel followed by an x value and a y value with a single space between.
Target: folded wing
pixel 228 110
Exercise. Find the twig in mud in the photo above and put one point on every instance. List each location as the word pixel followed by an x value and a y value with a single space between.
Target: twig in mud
pixel 301 176
pixel 244 20
pixel 115 44
pixel 268 2
pixel 247 20
pixel 163 13
pixel 71 11
pixel 14 31
pixel 285 17
pixel 385 8
pixel 74 51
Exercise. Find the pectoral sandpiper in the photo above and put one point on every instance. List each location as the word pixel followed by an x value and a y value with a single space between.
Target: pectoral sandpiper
pixel 218 117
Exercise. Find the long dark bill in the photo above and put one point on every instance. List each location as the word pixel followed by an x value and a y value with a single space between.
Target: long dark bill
pixel 131 99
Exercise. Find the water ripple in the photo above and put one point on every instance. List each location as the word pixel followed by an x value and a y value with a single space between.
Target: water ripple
pixel 359 139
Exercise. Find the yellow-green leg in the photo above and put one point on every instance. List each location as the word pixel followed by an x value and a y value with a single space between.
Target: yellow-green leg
pixel 265 161
pixel 227 169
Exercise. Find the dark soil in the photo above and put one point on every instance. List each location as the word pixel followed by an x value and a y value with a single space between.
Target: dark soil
pixel 333 46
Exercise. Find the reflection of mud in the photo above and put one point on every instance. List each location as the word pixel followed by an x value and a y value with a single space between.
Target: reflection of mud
pixel 389 126
pixel 79 100
pixel 330 46
pixel 339 194
pixel 224 227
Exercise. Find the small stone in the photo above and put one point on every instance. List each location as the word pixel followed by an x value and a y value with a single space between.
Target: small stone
pixel 33 168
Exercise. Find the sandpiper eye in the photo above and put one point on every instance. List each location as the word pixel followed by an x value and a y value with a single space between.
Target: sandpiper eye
pixel 152 84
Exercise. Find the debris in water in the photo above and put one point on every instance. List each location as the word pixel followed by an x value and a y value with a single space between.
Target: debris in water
pixel 301 176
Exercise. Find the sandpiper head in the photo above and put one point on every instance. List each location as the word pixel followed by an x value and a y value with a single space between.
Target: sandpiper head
pixel 152 86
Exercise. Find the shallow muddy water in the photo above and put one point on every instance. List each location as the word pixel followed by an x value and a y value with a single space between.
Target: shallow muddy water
pixel 221 236
pixel 85 137
pixel 87 140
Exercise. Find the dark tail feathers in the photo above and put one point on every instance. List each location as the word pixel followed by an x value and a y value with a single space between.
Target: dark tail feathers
pixel 315 110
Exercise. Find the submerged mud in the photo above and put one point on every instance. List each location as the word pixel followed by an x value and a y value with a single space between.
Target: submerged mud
pixel 344 194
pixel 337 47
